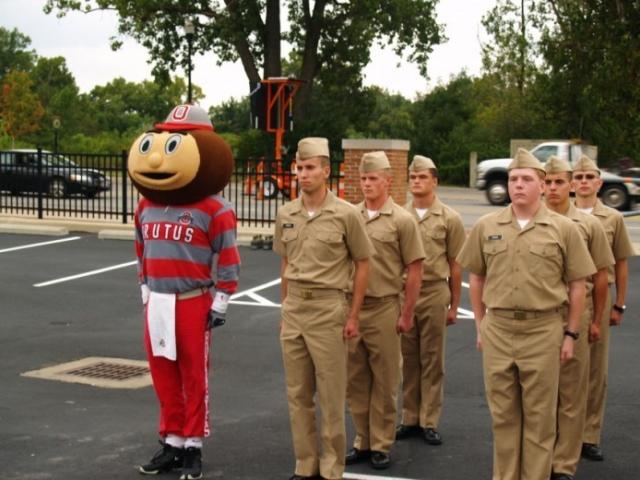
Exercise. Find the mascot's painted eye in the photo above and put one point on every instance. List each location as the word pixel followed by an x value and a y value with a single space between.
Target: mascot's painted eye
pixel 145 144
pixel 172 144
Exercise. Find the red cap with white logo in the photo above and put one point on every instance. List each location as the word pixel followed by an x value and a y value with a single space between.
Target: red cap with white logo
pixel 186 117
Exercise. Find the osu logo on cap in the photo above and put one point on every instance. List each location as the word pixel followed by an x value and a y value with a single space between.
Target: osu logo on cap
pixel 180 112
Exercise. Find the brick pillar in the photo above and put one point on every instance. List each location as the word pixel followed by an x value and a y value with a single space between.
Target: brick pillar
pixel 398 153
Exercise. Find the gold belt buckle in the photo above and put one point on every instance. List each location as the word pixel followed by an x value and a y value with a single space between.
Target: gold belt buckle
pixel 519 315
pixel 306 293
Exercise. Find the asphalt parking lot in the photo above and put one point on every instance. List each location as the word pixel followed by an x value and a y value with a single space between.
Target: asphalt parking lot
pixel 78 298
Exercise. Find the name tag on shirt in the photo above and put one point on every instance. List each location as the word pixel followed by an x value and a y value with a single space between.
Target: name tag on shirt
pixel 288 225
pixel 495 237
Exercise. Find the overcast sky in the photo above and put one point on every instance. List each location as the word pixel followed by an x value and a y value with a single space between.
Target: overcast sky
pixel 84 41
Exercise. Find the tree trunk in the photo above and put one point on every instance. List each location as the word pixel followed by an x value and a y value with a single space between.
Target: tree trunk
pixel 242 46
pixel 272 39
pixel 310 65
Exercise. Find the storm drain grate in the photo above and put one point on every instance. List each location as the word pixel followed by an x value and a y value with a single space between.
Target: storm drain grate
pixel 110 371
pixel 98 372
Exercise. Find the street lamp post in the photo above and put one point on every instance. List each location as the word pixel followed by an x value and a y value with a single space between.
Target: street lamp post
pixel 189 30
pixel 56 128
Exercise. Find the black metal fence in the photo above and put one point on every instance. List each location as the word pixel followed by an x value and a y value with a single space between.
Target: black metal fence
pixel 95 186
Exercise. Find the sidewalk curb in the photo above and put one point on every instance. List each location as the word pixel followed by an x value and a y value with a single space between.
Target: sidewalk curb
pixel 104 230
pixel 21 229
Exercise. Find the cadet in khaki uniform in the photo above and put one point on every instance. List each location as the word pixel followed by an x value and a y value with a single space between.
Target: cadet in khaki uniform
pixel 527 264
pixel 443 235
pixel 320 237
pixel 574 373
pixel 586 183
pixel 374 357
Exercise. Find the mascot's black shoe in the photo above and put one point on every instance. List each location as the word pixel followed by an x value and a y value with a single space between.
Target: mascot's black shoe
pixel 192 464
pixel 164 460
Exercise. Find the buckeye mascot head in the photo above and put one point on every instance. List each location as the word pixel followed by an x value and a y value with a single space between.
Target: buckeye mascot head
pixel 181 160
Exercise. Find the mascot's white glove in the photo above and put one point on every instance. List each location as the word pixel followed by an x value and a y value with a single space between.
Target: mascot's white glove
pixel 144 293
pixel 218 312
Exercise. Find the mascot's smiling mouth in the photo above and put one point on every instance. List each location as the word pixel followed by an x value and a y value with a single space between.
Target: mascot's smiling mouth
pixel 157 175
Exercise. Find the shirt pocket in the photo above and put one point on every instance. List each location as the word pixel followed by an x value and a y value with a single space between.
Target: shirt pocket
pixel 435 242
pixel 495 257
pixel 610 234
pixel 326 246
pixel 545 260
pixel 289 240
pixel 384 238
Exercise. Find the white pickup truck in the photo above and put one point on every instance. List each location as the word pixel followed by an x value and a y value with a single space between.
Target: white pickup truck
pixel 616 192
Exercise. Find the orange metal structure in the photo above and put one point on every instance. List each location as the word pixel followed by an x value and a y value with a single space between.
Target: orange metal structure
pixel 271 178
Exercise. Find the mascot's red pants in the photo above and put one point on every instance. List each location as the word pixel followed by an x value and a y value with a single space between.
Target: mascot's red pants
pixel 182 386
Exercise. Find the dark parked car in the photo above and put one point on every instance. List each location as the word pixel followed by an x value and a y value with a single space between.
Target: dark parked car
pixel 58 176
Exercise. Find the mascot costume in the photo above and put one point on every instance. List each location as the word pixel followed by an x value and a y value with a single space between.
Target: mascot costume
pixel 185 244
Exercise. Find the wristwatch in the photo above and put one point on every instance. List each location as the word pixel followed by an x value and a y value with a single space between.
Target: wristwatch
pixel 619 308
pixel 574 335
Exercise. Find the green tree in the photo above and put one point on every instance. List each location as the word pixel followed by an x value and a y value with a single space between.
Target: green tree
pixel 592 50
pixel 14 53
pixel 60 97
pixel 20 108
pixel 322 33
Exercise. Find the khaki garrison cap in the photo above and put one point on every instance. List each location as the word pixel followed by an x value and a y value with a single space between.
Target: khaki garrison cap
pixel 584 163
pixel 524 159
pixel 420 163
pixel 556 165
pixel 313 147
pixel 374 161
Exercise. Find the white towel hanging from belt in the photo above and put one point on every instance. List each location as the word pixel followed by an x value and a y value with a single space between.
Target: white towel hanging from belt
pixel 161 321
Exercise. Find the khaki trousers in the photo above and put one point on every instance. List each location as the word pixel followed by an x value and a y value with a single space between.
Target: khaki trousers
pixel 423 357
pixel 572 400
pixel 521 364
pixel 374 376
pixel 315 355
pixel 598 374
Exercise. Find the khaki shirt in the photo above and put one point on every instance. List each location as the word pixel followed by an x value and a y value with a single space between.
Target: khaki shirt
pixel 595 238
pixel 617 235
pixel 396 239
pixel 526 269
pixel 443 235
pixel 319 249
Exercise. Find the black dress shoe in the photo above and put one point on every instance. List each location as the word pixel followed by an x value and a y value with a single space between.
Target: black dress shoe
pixel 302 477
pixel 406 431
pixel 432 437
pixel 356 455
pixel 380 460
pixel 591 451
pixel 561 476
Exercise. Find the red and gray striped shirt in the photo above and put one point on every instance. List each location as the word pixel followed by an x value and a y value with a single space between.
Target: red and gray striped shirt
pixel 176 245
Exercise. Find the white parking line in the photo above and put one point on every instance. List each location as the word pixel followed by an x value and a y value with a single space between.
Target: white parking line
pixel 85 274
pixel 360 476
pixel 39 244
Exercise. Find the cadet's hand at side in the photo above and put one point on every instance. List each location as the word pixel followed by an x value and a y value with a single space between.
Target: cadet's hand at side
pixel 350 329
pixel 478 341
pixel 452 314
pixel 566 353
pixel 405 323
pixel 615 318
pixel 594 332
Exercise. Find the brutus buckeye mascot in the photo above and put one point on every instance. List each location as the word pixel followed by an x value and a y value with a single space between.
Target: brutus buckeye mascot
pixel 186 244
